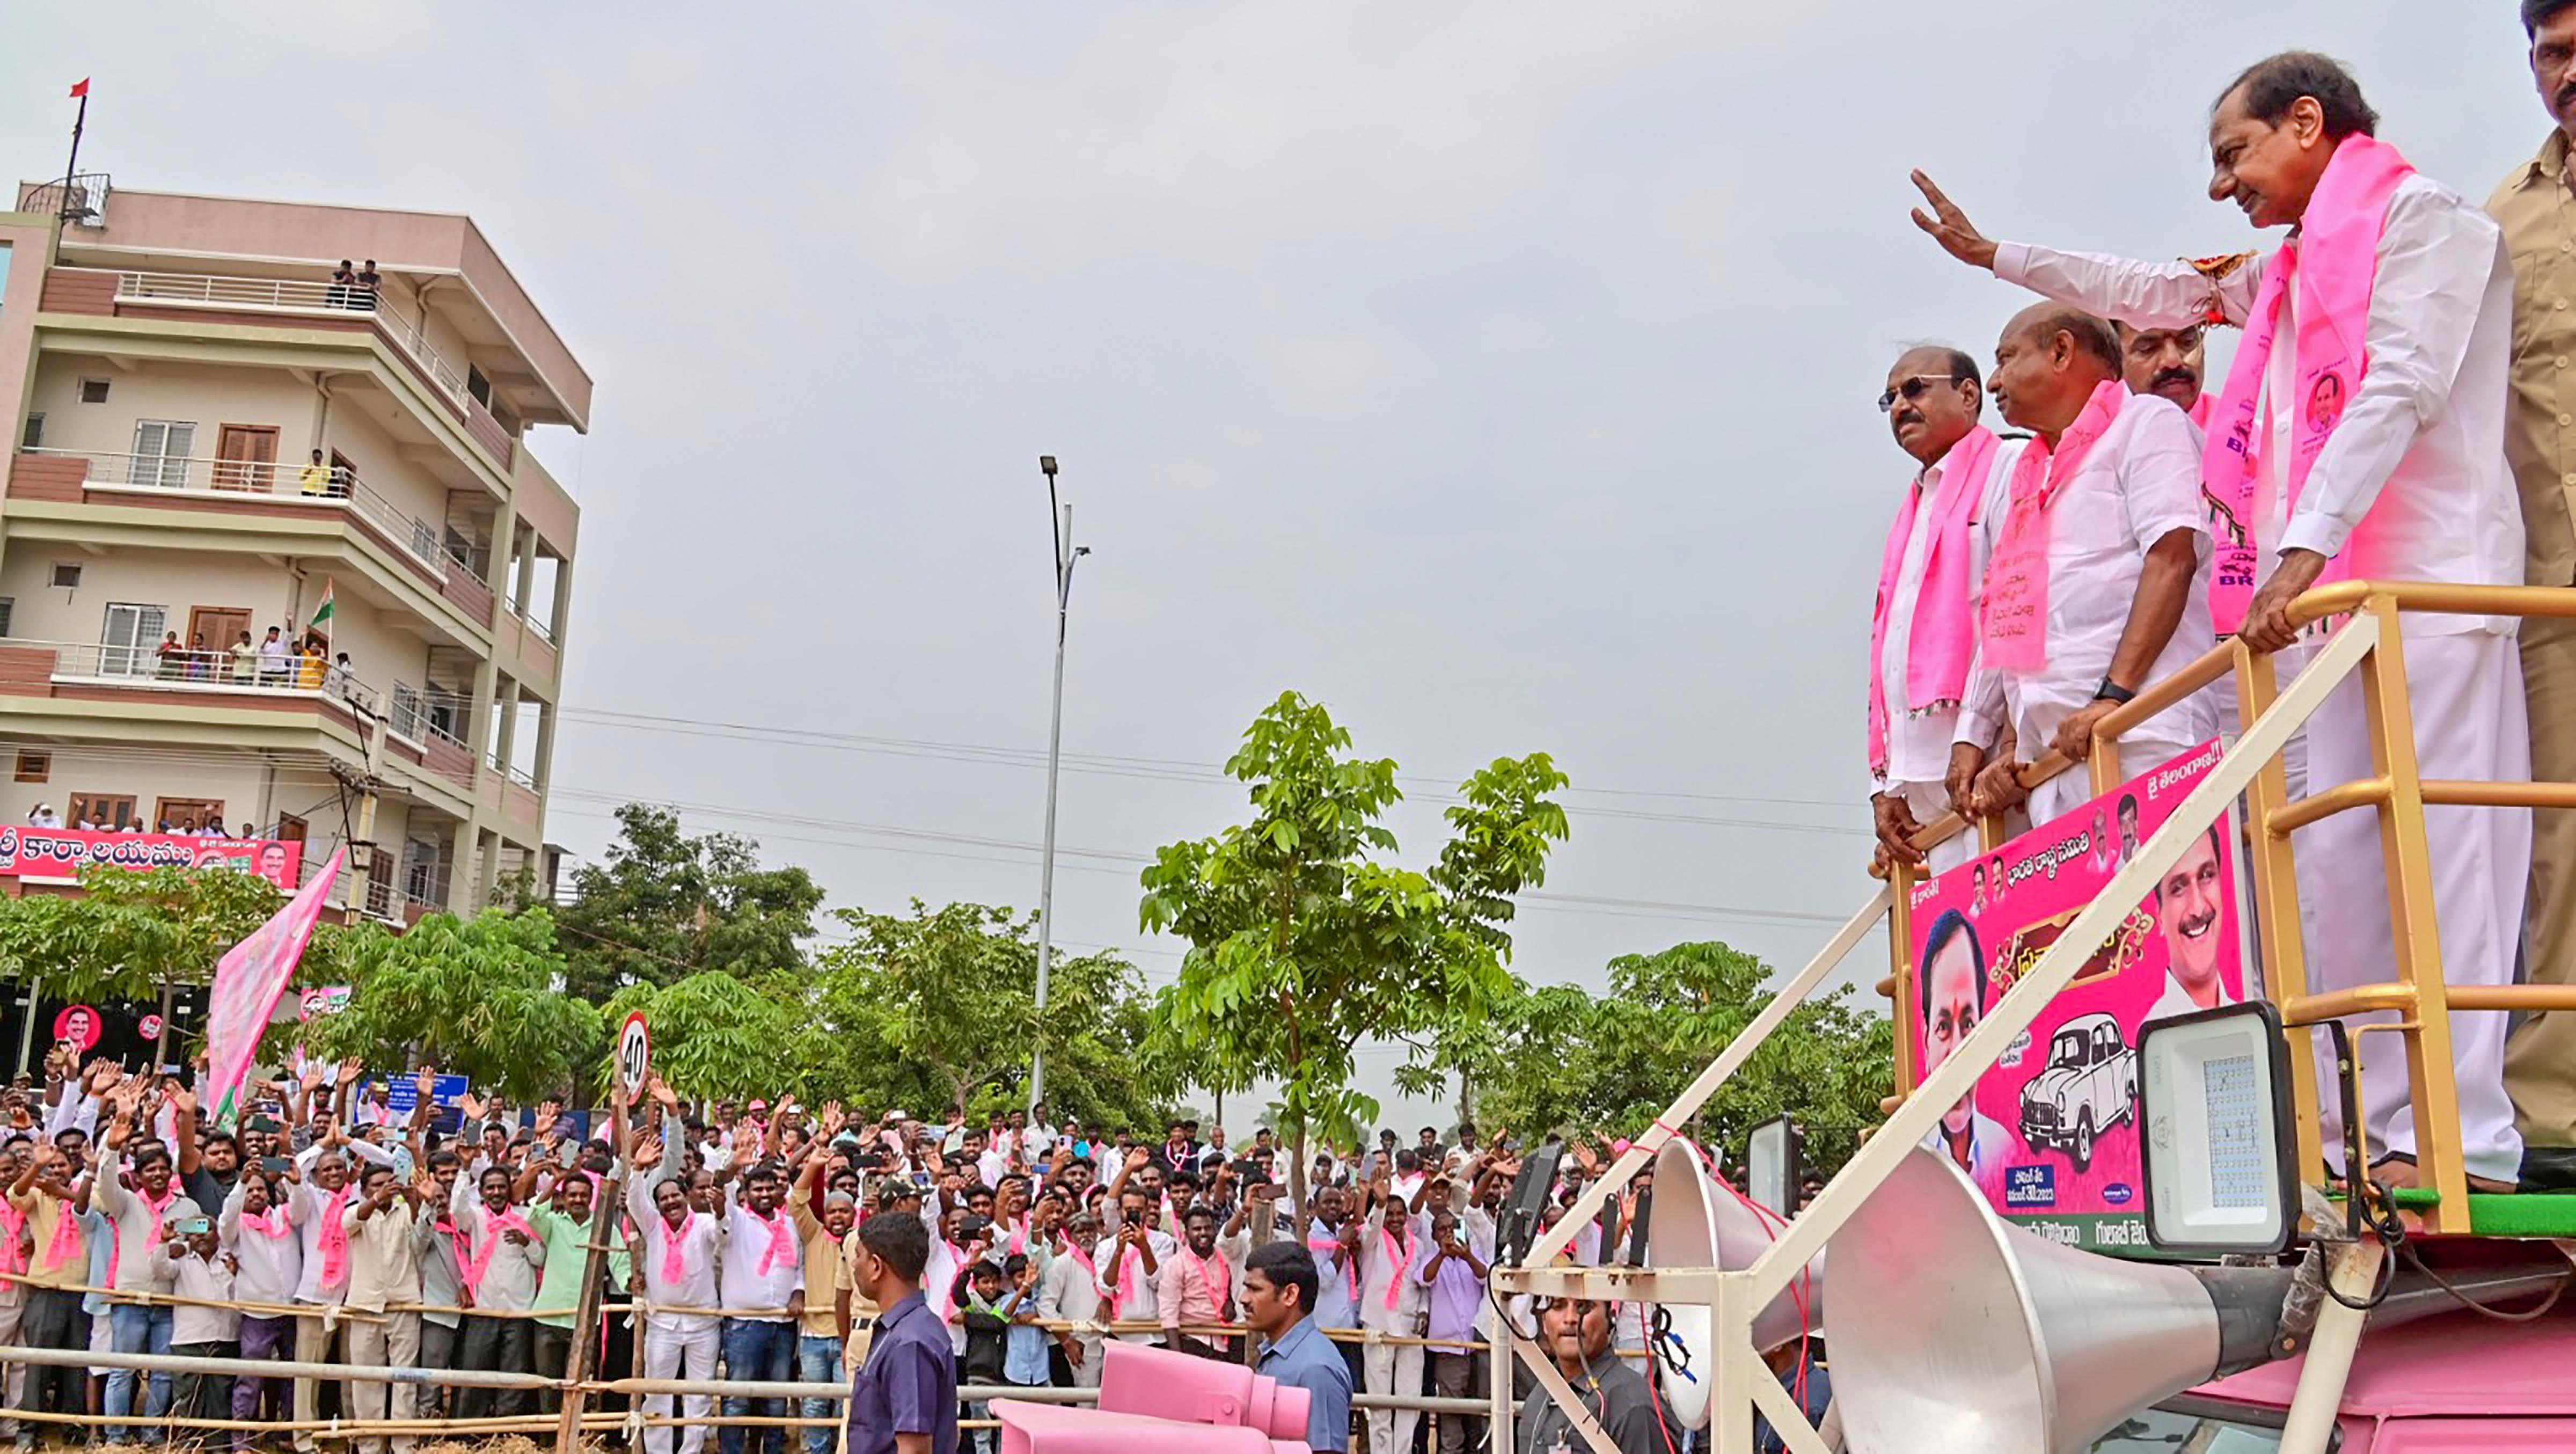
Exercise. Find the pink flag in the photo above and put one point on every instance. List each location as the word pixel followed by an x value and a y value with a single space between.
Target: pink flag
pixel 249 979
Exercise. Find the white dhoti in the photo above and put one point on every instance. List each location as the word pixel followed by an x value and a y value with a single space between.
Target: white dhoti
pixel 678 1346
pixel 1392 1370
pixel 1930 802
pixel 2466 696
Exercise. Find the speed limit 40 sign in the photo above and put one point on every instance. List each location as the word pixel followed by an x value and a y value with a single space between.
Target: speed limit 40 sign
pixel 634 1054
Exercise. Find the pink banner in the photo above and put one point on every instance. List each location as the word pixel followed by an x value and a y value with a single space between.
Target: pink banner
pixel 60 853
pixel 2051 1132
pixel 248 981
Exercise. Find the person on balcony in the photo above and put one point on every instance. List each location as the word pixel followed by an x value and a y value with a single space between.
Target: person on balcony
pixel 245 662
pixel 2360 437
pixel 170 658
pixel 273 655
pixel 2093 591
pixel 310 668
pixel 344 284
pixel 314 480
pixel 370 286
pixel 1923 629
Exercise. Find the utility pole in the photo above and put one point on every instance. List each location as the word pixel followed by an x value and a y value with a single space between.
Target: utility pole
pixel 1067 555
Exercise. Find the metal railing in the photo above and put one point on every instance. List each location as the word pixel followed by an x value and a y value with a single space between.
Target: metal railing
pixel 415 714
pixel 2368 644
pixel 84 204
pixel 162 667
pixel 320 486
pixel 296 295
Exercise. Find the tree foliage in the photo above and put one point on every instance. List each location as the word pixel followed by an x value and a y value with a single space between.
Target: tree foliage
pixel 130 932
pixel 1304 940
pixel 938 1009
pixel 478 997
pixel 1558 1059
pixel 665 906
pixel 717 1036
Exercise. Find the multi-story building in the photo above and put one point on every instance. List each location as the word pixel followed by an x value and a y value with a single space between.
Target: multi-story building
pixel 217 430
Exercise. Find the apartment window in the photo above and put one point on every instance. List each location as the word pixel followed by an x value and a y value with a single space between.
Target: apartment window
pixel 8 606
pixel 477 386
pixel 33 437
pixel 93 391
pixel 127 640
pixel 67 575
pixel 35 767
pixel 112 812
pixel 161 450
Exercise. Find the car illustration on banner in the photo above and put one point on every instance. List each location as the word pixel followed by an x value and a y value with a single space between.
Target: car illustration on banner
pixel 2089 1085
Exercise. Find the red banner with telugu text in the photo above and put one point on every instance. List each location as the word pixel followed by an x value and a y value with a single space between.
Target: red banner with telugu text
pixel 60 853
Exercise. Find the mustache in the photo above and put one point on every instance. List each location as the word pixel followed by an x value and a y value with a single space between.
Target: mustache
pixel 2175 375
pixel 2566 94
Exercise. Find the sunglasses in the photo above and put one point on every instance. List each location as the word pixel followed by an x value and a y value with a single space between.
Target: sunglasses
pixel 1912 389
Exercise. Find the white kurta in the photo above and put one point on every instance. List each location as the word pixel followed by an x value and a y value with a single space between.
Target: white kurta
pixel 2421 443
pixel 1918 742
pixel 2139 483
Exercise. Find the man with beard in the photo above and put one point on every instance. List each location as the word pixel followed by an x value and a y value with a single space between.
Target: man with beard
pixel 500 1255
pixel 49 1199
pixel 763 1268
pixel 137 1218
pixel 2190 898
pixel 1333 1240
pixel 1069 1292
pixel 1130 1263
pixel 1576 1334
pixel 562 1219
pixel 384 1268
pixel 2359 438
pixel 820 1330
pixel 1923 628
pixel 435 1238
pixel 2166 362
pixel 1197 1289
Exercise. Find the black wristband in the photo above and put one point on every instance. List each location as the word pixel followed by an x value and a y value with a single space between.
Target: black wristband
pixel 2112 691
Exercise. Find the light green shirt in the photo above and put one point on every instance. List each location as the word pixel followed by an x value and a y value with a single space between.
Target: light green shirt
pixel 567 1253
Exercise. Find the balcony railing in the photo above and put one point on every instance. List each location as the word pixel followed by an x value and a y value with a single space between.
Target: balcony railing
pixel 323 488
pixel 186 669
pixel 421 715
pixel 296 295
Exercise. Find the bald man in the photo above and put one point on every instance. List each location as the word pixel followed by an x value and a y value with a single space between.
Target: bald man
pixel 1923 630
pixel 2095 587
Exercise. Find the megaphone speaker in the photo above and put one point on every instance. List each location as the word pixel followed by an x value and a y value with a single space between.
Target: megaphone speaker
pixel 1982 1337
pixel 1695 1222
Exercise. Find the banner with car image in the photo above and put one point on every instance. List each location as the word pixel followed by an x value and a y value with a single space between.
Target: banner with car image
pixel 2051 1132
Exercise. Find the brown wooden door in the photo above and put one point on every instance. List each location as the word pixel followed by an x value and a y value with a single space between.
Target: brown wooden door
pixel 212 630
pixel 246 458
pixel 290 829
pixel 182 812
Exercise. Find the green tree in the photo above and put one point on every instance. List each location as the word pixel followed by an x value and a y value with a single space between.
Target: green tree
pixel 940 1007
pixel 1303 942
pixel 1558 1059
pixel 477 997
pixel 666 905
pixel 128 933
pixel 717 1036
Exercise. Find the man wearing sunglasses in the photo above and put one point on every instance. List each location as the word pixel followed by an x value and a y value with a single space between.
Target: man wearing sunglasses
pixel 1922 630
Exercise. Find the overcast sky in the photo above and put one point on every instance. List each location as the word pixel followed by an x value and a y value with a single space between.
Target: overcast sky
pixel 1499 374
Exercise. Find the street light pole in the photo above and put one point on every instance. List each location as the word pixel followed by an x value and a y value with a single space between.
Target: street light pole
pixel 1067 555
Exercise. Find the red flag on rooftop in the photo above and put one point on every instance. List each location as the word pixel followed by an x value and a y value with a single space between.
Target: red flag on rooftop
pixel 82 87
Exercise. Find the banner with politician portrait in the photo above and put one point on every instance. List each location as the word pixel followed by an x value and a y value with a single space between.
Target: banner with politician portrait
pixel 2051 1132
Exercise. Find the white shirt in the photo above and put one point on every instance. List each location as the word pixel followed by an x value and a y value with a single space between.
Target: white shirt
pixel 1141 1306
pixel 699 1238
pixel 271 1267
pixel 2139 483
pixel 2177 1001
pixel 192 1276
pixel 747 1240
pixel 2421 443
pixel 1918 742
pixel 1066 1292
pixel 1378 1269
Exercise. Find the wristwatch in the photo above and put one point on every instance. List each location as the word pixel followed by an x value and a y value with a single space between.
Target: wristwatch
pixel 2111 691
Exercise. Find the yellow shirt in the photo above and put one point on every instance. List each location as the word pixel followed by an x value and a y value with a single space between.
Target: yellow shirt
pixel 2537 211
pixel 44 1214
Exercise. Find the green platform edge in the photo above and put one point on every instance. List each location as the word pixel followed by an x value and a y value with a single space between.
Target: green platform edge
pixel 2526 1214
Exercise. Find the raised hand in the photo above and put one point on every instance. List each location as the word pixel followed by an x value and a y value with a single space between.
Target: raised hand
pixel 660 1090
pixel 179 1098
pixel 471 1106
pixel 425 1084
pixel 351 1069
pixel 1950 227
pixel 833 1119
pixel 548 1112
pixel 103 1074
pixel 647 1153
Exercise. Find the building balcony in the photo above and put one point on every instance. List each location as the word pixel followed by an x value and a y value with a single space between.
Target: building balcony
pixel 268 302
pixel 80 671
pixel 246 487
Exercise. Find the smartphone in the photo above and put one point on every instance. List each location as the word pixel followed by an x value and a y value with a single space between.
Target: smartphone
pixel 273 1165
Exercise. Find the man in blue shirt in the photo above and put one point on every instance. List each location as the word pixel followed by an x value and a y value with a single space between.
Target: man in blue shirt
pixel 904 1399
pixel 1279 1281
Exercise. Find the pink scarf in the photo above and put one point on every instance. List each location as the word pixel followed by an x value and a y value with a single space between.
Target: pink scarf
pixel 65 1244
pixel 1131 1283
pixel 673 1270
pixel 2016 604
pixel 116 1234
pixel 1332 1247
pixel 782 1238
pixel 333 1238
pixel 948 1284
pixel 2333 260
pixel 1219 1279
pixel 1074 1250
pixel 1936 661
pixel 13 1225
pixel 1396 1261
pixel 494 1224
pixel 271 1223
pixel 2199 411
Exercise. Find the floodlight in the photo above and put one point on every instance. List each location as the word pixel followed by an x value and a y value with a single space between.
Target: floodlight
pixel 1771 1157
pixel 2218 1145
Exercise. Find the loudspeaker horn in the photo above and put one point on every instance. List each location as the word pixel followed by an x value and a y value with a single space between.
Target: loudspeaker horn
pixel 1982 1337
pixel 1694 1222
